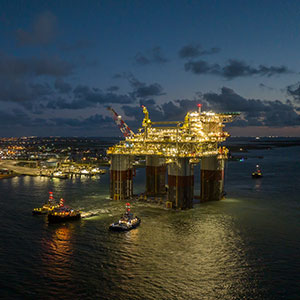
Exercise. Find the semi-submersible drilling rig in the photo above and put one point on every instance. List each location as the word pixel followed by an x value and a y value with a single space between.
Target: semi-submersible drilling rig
pixel 175 146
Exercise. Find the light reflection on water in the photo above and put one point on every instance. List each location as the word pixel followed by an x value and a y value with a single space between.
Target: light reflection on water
pixel 57 252
pixel 58 248
pixel 183 258
pixel 232 249
pixel 257 185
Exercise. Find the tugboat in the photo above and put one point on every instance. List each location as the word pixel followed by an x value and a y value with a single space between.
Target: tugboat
pixel 127 221
pixel 47 207
pixel 257 173
pixel 63 213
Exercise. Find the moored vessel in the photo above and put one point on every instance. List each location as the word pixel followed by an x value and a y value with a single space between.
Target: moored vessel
pixel 5 173
pixel 60 175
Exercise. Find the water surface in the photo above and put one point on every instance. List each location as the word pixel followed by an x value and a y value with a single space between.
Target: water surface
pixel 244 247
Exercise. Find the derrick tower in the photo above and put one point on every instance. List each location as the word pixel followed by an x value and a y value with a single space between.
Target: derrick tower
pixel 176 146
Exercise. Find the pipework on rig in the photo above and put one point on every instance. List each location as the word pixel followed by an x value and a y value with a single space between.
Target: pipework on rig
pixel 178 145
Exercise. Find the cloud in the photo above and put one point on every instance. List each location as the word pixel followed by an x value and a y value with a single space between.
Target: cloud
pixel 30 81
pixel 141 59
pixel 95 95
pixel 14 67
pixel 263 86
pixel 141 89
pixel 150 90
pixel 228 100
pixel 23 92
pixel 18 117
pixel 113 88
pixel 62 86
pixel 90 122
pixel 201 67
pixel 18 123
pixel 61 103
pixel 83 96
pixel 254 112
pixel 119 76
pixel 195 50
pixel 294 91
pixel 42 33
pixel 233 68
pixel 23 79
pixel 15 117
pixel 136 112
pixel 155 56
pixel 237 68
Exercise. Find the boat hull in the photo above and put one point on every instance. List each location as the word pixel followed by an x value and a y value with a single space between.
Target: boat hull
pixel 61 177
pixel 60 219
pixel 256 176
pixel 39 212
pixel 123 227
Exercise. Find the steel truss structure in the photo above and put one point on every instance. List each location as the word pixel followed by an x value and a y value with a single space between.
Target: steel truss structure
pixel 196 137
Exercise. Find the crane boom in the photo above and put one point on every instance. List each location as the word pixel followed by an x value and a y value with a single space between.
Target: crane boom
pixel 127 132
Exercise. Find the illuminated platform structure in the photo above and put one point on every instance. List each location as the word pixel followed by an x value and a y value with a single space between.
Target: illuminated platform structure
pixel 175 146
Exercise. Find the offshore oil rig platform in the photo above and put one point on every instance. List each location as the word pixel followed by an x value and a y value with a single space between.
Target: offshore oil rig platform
pixel 172 147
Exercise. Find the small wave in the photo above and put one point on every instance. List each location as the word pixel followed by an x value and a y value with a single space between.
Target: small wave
pixel 92 213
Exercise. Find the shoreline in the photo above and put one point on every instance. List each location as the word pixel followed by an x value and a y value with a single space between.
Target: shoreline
pixel 4 176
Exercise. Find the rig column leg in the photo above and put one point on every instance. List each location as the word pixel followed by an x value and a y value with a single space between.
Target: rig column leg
pixel 155 175
pixel 212 178
pixel 181 184
pixel 121 173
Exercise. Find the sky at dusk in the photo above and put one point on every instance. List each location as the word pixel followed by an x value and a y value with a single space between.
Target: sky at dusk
pixel 63 62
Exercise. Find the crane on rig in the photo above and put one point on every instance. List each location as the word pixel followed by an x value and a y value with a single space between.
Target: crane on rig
pixel 127 132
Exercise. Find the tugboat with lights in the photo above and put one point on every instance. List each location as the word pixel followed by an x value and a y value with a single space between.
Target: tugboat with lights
pixel 257 173
pixel 47 207
pixel 127 221
pixel 63 213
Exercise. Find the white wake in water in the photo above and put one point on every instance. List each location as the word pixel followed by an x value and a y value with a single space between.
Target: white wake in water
pixel 92 213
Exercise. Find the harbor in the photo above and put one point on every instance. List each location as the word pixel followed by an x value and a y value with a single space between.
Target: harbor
pixel 63 172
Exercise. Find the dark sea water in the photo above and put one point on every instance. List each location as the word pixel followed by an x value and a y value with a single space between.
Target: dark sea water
pixel 244 247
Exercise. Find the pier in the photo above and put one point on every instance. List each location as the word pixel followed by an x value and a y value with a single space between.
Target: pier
pixel 171 149
pixel 32 168
pixel 12 166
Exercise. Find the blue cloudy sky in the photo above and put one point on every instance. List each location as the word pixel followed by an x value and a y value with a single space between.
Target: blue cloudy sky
pixel 63 62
